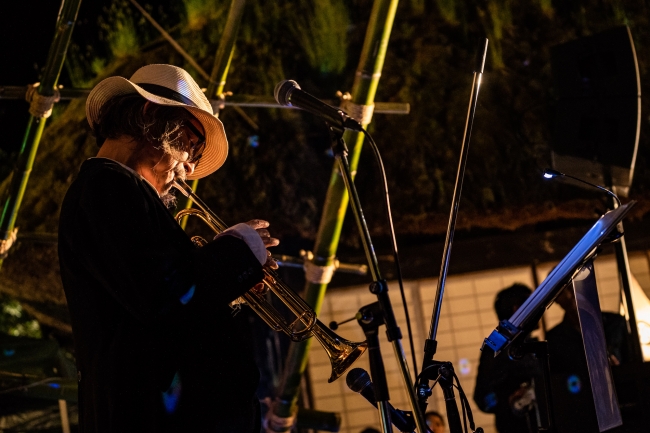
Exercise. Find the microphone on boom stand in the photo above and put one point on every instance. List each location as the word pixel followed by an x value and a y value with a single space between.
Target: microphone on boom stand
pixel 358 380
pixel 289 93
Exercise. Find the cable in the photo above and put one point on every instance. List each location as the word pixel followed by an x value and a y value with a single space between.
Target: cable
pixel 389 217
pixel 465 405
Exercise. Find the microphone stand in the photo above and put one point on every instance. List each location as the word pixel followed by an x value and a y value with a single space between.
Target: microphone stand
pixel 380 288
pixel 443 371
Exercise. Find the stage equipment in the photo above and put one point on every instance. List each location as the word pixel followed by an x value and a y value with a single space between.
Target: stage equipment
pixel 576 268
pixel 623 265
pixel 382 311
pixel 442 372
pixel 288 93
pixel 341 352
pixel 358 380
pixel 598 112
pixel 523 321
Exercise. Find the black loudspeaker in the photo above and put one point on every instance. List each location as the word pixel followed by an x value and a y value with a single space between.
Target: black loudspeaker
pixel 598 112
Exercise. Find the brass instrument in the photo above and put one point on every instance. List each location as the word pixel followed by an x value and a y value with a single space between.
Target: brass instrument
pixel 341 352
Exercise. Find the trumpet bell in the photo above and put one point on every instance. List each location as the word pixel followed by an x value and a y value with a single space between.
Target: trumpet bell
pixel 341 352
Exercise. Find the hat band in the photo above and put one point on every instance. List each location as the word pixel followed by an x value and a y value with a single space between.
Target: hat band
pixel 166 92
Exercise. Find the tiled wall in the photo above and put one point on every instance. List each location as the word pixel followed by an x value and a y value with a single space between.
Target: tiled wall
pixel 467 317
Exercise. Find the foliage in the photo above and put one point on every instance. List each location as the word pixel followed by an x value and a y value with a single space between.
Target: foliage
pixel 15 321
pixel 322 34
pixel 120 30
pixel 200 12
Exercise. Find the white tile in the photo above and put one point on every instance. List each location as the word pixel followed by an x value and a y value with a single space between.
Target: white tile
pixel 428 289
pixel 459 287
pixel 344 301
pixel 360 419
pixel 468 337
pixel 463 305
pixel 461 322
pixel 488 318
pixel 354 401
pixel 331 404
pixel 485 302
pixel 488 283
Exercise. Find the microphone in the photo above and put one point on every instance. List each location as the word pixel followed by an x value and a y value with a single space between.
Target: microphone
pixel 358 380
pixel 288 93
pixel 550 174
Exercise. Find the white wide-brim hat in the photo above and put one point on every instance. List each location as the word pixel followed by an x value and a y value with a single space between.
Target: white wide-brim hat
pixel 172 86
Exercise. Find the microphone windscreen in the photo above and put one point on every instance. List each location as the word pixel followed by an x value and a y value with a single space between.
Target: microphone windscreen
pixel 357 379
pixel 282 91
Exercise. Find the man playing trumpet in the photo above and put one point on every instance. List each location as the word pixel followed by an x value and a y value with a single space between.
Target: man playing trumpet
pixel 157 347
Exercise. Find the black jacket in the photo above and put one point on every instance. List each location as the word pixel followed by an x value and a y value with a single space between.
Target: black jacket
pixel 148 361
pixel 497 379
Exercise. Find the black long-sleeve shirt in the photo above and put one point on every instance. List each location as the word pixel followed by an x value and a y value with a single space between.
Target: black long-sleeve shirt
pixel 157 347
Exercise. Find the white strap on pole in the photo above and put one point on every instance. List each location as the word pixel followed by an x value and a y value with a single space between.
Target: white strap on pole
pixel 317 274
pixel 40 106
pixel 6 244
pixel 360 113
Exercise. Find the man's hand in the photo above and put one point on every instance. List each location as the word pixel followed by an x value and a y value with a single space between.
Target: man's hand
pixel 260 226
pixel 258 239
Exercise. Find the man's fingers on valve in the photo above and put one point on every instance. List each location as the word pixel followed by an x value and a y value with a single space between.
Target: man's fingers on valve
pixel 258 224
pixel 271 262
pixel 260 227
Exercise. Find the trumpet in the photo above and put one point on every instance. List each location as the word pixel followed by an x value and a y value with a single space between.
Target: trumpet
pixel 342 353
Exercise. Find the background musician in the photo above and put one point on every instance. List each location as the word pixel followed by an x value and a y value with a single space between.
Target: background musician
pixel 503 386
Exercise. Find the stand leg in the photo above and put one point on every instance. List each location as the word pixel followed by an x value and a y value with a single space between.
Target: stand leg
pixel 447 385
pixel 379 286
pixel 544 421
pixel 371 319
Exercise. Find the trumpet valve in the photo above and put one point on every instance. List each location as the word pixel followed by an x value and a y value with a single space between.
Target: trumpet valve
pixel 260 288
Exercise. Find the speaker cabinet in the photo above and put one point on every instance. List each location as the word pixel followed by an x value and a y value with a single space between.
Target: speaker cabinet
pixel 598 112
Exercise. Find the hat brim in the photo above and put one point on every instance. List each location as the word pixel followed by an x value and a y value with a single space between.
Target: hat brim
pixel 216 143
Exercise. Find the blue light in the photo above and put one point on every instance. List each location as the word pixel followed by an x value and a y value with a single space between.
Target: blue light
pixel 54 385
pixel 464 366
pixel 490 401
pixel 188 295
pixel 253 141
pixel 171 397
pixel 574 384
pixel 548 175
pixel 9 352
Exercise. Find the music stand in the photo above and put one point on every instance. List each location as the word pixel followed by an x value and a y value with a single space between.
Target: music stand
pixel 575 267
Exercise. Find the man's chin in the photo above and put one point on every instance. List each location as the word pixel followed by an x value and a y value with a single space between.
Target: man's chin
pixel 169 199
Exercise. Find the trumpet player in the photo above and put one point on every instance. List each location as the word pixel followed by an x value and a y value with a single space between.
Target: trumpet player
pixel 157 346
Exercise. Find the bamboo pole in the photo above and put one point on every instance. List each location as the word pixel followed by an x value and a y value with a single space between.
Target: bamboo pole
pixel 336 202
pixel 35 125
pixel 221 65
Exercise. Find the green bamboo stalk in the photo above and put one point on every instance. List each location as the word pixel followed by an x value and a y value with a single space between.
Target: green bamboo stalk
pixel 221 65
pixel 35 125
pixel 336 202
